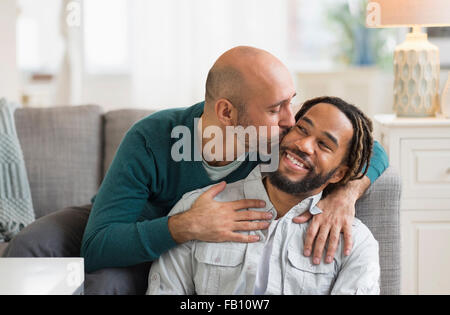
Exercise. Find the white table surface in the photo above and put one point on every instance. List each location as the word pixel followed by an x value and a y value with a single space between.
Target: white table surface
pixel 41 276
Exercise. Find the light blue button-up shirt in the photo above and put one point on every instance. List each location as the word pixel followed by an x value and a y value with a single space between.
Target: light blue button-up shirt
pixel 229 268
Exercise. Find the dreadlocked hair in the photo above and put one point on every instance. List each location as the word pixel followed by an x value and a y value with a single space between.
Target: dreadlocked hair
pixel 360 148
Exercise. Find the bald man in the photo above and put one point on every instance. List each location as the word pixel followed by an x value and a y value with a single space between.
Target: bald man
pixel 128 223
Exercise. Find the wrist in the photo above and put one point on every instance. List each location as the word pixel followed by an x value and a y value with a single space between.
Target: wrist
pixel 342 198
pixel 347 193
pixel 180 229
pixel 353 190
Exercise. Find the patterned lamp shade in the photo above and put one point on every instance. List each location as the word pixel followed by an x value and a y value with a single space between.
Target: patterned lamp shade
pixel 416 61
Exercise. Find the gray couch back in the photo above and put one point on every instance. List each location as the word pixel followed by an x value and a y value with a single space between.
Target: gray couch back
pixel 68 150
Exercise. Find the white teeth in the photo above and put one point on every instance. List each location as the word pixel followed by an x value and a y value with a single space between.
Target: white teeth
pixel 293 160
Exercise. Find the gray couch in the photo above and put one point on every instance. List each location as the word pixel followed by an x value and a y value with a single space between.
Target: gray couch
pixel 68 150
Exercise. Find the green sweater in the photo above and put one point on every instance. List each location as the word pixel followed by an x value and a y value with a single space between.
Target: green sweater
pixel 128 220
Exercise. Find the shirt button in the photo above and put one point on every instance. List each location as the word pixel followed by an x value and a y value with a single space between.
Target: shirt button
pixel 217 260
pixel 155 277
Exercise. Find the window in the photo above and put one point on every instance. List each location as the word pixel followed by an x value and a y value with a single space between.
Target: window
pixel 39 42
pixel 106 40
pixel 28 44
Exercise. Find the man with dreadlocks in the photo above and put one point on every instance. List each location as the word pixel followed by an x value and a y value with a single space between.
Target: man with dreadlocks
pixel 329 146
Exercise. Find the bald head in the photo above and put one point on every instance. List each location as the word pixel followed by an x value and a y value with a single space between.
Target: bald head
pixel 241 72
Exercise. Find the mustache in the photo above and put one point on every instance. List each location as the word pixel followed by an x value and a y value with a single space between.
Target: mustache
pixel 284 132
pixel 300 154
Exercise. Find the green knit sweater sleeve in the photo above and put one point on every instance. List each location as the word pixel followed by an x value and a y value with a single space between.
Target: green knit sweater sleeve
pixel 378 163
pixel 114 236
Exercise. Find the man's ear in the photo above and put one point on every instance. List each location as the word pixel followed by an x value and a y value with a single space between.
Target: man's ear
pixel 339 174
pixel 225 111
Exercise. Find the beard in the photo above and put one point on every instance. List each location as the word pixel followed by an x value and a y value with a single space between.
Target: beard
pixel 310 182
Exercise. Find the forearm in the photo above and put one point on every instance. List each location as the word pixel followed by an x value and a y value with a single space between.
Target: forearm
pixel 114 235
pixel 126 244
pixel 180 228
pixel 354 189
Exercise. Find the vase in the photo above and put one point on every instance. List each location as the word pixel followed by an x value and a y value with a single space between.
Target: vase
pixel 445 98
pixel 416 72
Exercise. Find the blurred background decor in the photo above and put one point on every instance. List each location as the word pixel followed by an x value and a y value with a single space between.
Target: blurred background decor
pixel 134 53
pixel 359 45
pixel 416 60
pixel 440 36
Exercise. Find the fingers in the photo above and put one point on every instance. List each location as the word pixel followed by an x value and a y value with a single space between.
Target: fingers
pixel 250 226
pixel 242 238
pixel 215 190
pixel 348 240
pixel 321 239
pixel 333 242
pixel 253 215
pixel 322 235
pixel 310 237
pixel 304 217
pixel 247 203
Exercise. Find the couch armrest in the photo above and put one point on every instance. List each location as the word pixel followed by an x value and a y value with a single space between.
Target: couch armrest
pixel 379 209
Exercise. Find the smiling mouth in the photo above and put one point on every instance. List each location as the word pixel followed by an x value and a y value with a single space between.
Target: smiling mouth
pixel 294 159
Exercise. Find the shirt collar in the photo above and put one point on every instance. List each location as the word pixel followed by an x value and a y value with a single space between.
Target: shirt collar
pixel 254 189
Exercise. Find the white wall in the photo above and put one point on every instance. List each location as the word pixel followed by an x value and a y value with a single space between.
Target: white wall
pixel 9 75
pixel 109 91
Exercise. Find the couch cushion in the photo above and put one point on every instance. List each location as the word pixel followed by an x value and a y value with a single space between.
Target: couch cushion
pixel 2 248
pixel 62 147
pixel 117 123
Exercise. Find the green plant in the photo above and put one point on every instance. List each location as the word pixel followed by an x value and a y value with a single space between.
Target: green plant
pixel 357 44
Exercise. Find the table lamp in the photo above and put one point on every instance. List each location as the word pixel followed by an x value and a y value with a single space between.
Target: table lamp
pixel 416 61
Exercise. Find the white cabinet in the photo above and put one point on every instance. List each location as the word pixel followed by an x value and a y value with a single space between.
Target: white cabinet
pixel 420 150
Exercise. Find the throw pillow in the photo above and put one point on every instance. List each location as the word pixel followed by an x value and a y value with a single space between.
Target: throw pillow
pixel 16 207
